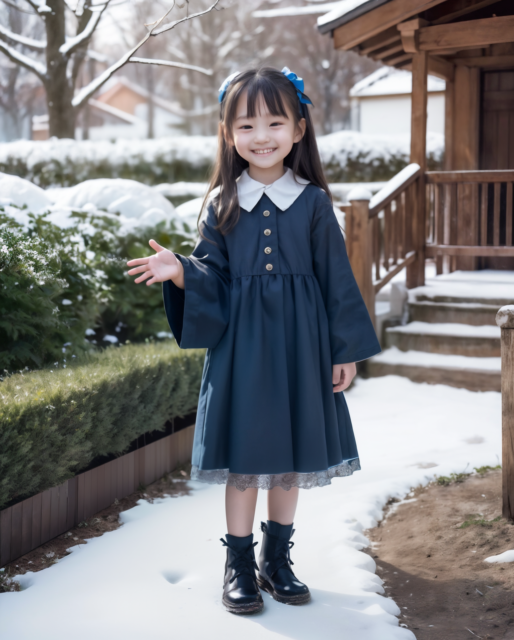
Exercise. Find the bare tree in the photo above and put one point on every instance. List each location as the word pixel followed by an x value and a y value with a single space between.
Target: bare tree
pixel 57 60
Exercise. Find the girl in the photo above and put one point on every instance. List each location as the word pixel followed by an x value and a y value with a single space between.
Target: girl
pixel 270 292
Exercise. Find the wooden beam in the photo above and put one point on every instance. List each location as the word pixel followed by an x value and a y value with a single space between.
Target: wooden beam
pixel 398 59
pixel 449 117
pixel 433 250
pixel 466 35
pixel 485 62
pixel 377 42
pixel 418 154
pixel 466 118
pixel 386 52
pixel 370 24
pixel 410 33
pixel 441 68
pixel 480 177
pixel 457 8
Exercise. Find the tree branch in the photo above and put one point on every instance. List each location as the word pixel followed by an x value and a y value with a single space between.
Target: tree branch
pixel 168 63
pixel 172 25
pixel 86 92
pixel 71 45
pixel 7 35
pixel 36 67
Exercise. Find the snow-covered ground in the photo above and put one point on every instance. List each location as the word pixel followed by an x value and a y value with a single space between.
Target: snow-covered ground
pixel 160 575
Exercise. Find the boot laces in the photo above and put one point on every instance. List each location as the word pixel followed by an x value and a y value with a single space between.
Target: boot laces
pixel 282 550
pixel 243 561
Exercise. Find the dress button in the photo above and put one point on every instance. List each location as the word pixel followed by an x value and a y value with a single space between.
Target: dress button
pixel 267 250
pixel 265 213
pixel 269 267
pixel 267 232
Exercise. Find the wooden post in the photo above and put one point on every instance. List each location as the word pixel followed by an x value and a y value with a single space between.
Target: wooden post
pixel 418 154
pixel 359 247
pixel 505 320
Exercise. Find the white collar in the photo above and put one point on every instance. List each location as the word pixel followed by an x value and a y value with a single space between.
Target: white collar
pixel 283 192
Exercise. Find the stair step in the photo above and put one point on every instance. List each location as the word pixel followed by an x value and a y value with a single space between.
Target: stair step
pixel 475 374
pixel 490 293
pixel 473 313
pixel 446 338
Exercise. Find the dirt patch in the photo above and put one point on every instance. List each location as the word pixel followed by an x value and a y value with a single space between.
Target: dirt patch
pixel 430 552
pixel 172 484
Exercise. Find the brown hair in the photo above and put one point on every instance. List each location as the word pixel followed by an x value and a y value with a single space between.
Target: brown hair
pixel 303 158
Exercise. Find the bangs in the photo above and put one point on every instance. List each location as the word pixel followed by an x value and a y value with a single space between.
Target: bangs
pixel 270 94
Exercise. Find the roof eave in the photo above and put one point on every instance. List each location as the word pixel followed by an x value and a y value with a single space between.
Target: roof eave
pixel 351 15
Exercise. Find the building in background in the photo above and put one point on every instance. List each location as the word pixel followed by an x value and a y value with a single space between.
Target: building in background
pixel 381 103
pixel 123 109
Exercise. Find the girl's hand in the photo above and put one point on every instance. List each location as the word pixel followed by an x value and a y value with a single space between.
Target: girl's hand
pixel 160 267
pixel 342 375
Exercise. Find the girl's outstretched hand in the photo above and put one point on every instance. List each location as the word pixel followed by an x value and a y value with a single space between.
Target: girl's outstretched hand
pixel 160 267
pixel 342 375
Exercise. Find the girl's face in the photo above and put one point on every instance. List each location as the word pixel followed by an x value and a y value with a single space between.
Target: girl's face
pixel 265 140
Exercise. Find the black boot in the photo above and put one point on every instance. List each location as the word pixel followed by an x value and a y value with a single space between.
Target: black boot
pixel 275 574
pixel 240 591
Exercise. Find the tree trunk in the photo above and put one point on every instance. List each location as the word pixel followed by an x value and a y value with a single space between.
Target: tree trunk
pixel 59 93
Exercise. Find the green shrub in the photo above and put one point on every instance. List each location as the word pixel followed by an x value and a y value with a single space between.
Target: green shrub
pixel 53 422
pixel 57 283
pixel 49 294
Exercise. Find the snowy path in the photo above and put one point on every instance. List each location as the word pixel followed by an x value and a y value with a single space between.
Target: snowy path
pixel 160 575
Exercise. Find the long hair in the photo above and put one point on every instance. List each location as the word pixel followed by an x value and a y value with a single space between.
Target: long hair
pixel 276 91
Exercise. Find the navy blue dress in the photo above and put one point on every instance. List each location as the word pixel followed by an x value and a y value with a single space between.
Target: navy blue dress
pixel 273 322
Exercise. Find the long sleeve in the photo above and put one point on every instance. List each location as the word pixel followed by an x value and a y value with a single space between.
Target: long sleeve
pixel 198 315
pixel 352 336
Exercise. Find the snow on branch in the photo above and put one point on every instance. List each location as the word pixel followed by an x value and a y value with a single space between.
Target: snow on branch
pixel 172 25
pixel 19 58
pixel 86 92
pixel 169 63
pixel 5 34
pixel 74 43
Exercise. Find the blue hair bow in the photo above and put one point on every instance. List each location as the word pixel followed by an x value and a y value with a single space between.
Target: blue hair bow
pixel 224 85
pixel 298 84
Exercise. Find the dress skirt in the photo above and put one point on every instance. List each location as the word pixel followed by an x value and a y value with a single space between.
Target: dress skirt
pixel 267 414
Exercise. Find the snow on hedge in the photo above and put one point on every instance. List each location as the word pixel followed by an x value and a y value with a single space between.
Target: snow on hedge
pixel 348 156
pixel 133 204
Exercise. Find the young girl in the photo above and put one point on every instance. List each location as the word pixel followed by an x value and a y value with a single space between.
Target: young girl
pixel 270 292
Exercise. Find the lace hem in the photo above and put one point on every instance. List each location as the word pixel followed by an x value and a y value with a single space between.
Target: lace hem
pixel 284 480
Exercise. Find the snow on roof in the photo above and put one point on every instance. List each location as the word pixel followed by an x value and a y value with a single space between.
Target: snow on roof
pixel 387 81
pixel 345 11
pixel 296 11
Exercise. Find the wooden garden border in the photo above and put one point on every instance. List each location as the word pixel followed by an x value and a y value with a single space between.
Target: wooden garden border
pixel 32 522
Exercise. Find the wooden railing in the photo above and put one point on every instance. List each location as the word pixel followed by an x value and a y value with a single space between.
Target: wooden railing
pixel 382 233
pixel 469 214
pixel 451 216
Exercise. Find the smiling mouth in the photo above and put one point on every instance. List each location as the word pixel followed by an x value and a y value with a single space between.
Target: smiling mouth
pixel 263 152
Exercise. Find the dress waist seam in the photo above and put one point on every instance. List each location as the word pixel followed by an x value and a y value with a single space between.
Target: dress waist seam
pixel 267 275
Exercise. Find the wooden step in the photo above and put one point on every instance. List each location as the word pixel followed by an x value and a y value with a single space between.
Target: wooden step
pixel 475 374
pixel 474 313
pixel 446 338
pixel 493 294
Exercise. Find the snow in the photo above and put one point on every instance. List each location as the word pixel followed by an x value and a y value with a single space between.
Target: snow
pixel 19 192
pixel 131 203
pixel 296 11
pixel 448 329
pixel 340 190
pixel 474 288
pixel 505 316
pixel 338 147
pixel 506 556
pixel 160 575
pixel 393 355
pixel 180 189
pixel 388 81
pixel 397 181
pixel 359 193
pixel 198 151
pixel 340 10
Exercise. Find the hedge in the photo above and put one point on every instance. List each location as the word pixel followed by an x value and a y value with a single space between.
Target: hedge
pixel 54 422
pixel 347 156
